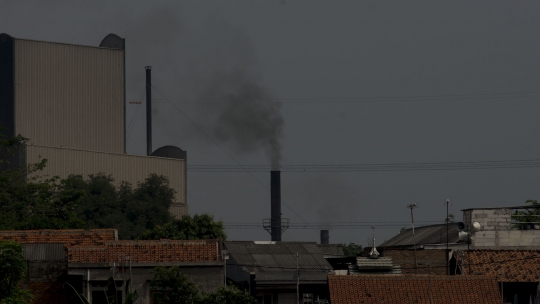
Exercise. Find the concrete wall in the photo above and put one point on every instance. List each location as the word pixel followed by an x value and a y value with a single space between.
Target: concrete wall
pixel 496 230
pixel 131 168
pixel 70 95
pixel 207 278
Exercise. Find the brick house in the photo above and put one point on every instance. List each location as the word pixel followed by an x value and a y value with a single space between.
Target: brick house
pixel 517 271
pixel 91 266
pixel 45 255
pixel 86 259
pixel 417 289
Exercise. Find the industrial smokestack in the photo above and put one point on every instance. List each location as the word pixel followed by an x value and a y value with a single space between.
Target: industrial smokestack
pixel 275 197
pixel 148 110
pixel 325 237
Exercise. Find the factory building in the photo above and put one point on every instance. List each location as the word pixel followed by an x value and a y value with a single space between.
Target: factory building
pixel 69 100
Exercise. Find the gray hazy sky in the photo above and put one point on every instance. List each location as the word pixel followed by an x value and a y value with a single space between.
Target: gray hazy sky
pixel 352 79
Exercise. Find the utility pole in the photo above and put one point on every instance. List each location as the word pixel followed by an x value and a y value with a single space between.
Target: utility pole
pixel 447 252
pixel 225 253
pixel 148 110
pixel 412 206
pixel 297 281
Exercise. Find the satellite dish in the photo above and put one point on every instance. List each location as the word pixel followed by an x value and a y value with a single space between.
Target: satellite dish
pixel 460 226
pixel 476 226
pixel 464 236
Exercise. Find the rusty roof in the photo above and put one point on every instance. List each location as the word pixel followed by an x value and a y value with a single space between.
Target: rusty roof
pixel 506 265
pixel 417 289
pixel 65 236
pixel 147 251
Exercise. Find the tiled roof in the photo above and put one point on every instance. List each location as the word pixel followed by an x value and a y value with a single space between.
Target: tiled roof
pixel 433 234
pixel 147 251
pixel 418 289
pixel 65 236
pixel 506 265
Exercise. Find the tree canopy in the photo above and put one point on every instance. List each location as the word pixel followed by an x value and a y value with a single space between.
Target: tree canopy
pixel 131 210
pixel 197 227
pixel 171 285
pixel 12 270
pixel 31 201
pixel 352 249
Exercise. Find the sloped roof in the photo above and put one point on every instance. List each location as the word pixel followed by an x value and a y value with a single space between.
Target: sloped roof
pixel 147 251
pixel 331 250
pixel 274 261
pixel 381 265
pixel 366 289
pixel 65 236
pixel 506 265
pixel 432 234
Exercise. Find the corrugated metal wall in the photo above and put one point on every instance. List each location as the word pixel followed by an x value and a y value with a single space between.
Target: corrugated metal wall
pixel 44 252
pixel 131 168
pixel 69 95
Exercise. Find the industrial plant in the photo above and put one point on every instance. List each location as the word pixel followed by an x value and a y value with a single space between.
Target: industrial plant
pixel 69 100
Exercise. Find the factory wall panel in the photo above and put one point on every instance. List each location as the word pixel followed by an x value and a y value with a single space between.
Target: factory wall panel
pixel 131 168
pixel 69 95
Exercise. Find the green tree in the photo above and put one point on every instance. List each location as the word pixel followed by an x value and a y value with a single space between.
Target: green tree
pixel 12 270
pixel 198 227
pixel 28 200
pixel 228 295
pixel 131 211
pixel 352 249
pixel 173 286
pixel 524 218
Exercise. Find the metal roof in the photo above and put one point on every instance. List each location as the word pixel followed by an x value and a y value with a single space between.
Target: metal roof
pixel 331 250
pixel 44 252
pixel 379 263
pixel 277 261
pixel 396 269
pixel 433 234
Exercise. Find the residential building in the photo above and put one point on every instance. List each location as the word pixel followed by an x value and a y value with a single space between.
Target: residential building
pixel 61 262
pixel 273 270
pixel 517 271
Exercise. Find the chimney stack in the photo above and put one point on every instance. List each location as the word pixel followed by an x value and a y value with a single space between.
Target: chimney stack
pixel 148 110
pixel 325 237
pixel 275 211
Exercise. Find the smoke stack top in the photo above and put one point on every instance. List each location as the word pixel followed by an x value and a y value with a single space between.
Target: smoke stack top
pixel 325 237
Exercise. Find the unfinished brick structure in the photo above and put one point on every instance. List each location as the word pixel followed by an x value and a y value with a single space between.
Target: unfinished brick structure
pixel 498 229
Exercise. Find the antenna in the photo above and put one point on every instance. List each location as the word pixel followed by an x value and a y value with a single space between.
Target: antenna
pixel 412 206
pixel 373 254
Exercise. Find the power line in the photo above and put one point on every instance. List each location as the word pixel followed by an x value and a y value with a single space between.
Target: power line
pixel 380 167
pixel 221 148
pixel 416 98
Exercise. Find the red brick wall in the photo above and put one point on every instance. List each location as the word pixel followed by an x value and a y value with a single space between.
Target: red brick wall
pixel 48 293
